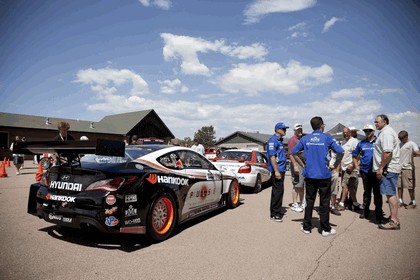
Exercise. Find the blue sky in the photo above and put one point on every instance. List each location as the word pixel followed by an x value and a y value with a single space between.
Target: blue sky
pixel 236 65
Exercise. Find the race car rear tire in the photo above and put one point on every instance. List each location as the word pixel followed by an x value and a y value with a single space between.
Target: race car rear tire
pixel 161 217
pixel 233 195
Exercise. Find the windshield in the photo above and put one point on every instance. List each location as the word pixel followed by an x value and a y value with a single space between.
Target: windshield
pixel 131 153
pixel 237 155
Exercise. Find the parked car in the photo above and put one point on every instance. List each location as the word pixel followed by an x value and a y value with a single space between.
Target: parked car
pixel 251 167
pixel 139 189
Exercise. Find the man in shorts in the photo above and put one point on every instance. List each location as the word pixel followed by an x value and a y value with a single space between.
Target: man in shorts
pixel 349 172
pixel 296 169
pixel 407 179
pixel 386 164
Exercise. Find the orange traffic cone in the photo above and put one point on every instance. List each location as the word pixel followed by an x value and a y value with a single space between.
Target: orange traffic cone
pixel 39 172
pixel 8 163
pixel 3 171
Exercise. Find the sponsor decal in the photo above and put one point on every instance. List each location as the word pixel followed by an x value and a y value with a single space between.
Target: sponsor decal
pixel 131 211
pixel 130 198
pixel 203 192
pixel 153 179
pixel 68 186
pixel 111 211
pixel 110 199
pixel 111 221
pixel 53 217
pixel 132 221
pixel 62 198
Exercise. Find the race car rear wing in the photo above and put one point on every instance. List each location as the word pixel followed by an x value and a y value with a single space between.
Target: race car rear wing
pixel 100 147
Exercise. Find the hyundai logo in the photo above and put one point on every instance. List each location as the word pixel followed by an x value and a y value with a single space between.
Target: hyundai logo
pixel 65 177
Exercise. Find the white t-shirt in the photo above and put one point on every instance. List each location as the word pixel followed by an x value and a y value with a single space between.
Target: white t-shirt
pixel 198 148
pixel 348 148
pixel 407 151
pixel 387 141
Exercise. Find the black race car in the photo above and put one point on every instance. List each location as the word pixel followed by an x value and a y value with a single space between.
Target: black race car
pixel 141 189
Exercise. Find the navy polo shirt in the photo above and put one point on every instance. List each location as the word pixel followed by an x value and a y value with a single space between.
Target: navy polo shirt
pixel 275 148
pixel 365 149
pixel 316 146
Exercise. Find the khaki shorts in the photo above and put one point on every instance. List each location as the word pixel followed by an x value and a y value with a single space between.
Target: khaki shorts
pixel 406 179
pixel 350 179
pixel 335 183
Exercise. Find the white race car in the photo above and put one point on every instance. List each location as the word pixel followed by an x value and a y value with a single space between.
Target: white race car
pixel 251 167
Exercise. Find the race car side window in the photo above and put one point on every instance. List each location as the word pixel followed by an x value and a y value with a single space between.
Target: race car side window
pixel 196 161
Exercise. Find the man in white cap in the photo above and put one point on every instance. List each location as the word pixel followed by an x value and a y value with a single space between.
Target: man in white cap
pixel 296 170
pixel 364 154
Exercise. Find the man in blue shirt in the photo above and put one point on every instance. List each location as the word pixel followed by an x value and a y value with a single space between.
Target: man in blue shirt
pixel 317 173
pixel 277 166
pixel 364 153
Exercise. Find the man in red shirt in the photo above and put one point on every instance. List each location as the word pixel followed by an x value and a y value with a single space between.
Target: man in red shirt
pixel 296 170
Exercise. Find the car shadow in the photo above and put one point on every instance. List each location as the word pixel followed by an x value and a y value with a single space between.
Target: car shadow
pixel 120 241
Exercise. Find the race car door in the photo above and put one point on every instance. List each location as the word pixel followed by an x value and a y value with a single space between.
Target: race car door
pixel 206 189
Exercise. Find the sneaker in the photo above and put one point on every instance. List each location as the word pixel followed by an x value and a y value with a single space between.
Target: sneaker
pixel 411 206
pixel 401 204
pixel 364 216
pixel 391 225
pixel 358 207
pixel 328 233
pixel 335 212
pixel 340 208
pixel 303 205
pixel 305 231
pixel 277 219
pixel 298 209
pixel 17 173
pixel 293 207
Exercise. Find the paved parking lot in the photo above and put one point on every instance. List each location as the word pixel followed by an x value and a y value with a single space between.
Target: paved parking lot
pixel 234 244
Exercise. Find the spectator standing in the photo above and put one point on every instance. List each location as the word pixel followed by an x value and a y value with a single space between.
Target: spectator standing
pixel 407 177
pixel 349 172
pixel 134 139
pixel 296 169
pixel 386 164
pixel 17 158
pixel 199 148
pixel 63 135
pixel 335 182
pixel 364 154
pixel 276 155
pixel 317 174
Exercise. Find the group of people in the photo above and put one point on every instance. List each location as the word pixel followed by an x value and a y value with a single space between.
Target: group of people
pixel 319 164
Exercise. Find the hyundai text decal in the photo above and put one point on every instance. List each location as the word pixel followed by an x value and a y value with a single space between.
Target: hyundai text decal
pixel 60 198
pixel 153 178
pixel 66 186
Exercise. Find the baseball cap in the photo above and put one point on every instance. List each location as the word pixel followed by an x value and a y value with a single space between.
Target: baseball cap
pixel 368 127
pixel 352 128
pixel 280 125
pixel 297 126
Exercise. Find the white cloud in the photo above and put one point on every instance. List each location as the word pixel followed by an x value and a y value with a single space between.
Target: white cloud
pixel 106 81
pixel 172 86
pixel 163 4
pixel 348 93
pixel 260 8
pixel 254 79
pixel 298 30
pixel 186 49
pixel 329 23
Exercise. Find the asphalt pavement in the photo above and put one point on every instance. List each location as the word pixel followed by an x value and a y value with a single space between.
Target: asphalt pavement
pixel 242 243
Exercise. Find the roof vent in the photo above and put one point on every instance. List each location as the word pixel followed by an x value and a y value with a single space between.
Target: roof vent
pixel 47 121
pixel 91 125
